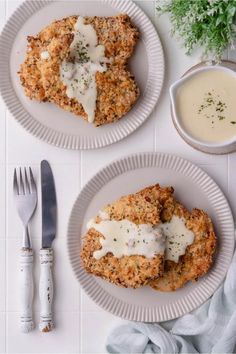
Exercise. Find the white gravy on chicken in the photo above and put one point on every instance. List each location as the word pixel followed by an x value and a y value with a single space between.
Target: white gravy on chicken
pixel 178 238
pixel 78 71
pixel 125 238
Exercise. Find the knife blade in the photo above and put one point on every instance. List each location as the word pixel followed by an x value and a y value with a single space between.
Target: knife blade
pixel 49 205
pixel 49 227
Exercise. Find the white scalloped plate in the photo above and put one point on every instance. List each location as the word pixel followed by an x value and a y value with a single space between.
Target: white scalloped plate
pixel 194 188
pixel 52 124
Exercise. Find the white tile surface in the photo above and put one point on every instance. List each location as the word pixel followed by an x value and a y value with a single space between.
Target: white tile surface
pixel 63 340
pixel 11 6
pixel 82 327
pixel 96 327
pixel 2 14
pixel 87 305
pixel 219 173
pixel 141 140
pixel 2 130
pixel 32 149
pixel 2 201
pixel 2 333
pixel 2 274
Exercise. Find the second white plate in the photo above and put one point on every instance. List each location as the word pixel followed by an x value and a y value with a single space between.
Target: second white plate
pixel 194 188
pixel 52 124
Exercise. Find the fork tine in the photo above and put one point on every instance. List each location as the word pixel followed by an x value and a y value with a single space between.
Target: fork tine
pixel 32 182
pixel 15 184
pixel 21 186
pixel 27 188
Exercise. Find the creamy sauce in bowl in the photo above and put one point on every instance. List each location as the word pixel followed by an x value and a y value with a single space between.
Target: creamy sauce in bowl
pixel 206 105
pixel 125 238
pixel 78 72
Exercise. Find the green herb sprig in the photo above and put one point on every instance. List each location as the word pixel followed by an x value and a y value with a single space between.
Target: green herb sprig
pixel 209 24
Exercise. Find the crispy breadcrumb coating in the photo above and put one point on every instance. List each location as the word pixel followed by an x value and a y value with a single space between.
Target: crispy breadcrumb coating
pixel 127 271
pixel 152 205
pixel 198 257
pixel 117 90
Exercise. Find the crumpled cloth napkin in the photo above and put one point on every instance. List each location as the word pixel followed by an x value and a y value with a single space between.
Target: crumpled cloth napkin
pixel 209 329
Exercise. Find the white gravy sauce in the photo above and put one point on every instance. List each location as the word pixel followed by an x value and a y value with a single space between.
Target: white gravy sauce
pixel 124 238
pixel 79 70
pixel 206 105
pixel 178 238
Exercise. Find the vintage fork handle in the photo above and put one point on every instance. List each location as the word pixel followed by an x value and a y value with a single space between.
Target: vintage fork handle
pixel 26 289
pixel 46 290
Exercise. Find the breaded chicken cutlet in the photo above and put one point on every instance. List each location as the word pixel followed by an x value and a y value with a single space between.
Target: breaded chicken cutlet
pixel 156 206
pixel 128 271
pixel 117 90
pixel 198 256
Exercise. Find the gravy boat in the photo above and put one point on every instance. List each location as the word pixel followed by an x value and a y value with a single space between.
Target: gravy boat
pixel 224 147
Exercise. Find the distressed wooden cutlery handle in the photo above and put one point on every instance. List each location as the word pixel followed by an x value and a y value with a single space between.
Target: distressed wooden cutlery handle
pixel 46 290
pixel 26 289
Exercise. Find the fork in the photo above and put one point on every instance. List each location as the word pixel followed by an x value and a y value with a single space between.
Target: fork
pixel 25 194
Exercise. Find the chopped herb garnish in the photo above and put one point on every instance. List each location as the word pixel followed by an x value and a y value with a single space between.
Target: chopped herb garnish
pixel 211 100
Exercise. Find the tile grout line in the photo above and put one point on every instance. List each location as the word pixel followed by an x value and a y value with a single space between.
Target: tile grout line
pixel 228 171
pixel 155 108
pixel 5 226
pixel 227 55
pixel 59 311
pixel 155 134
pixel 80 298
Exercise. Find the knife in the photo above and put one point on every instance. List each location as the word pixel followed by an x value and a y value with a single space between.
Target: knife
pixel 49 226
